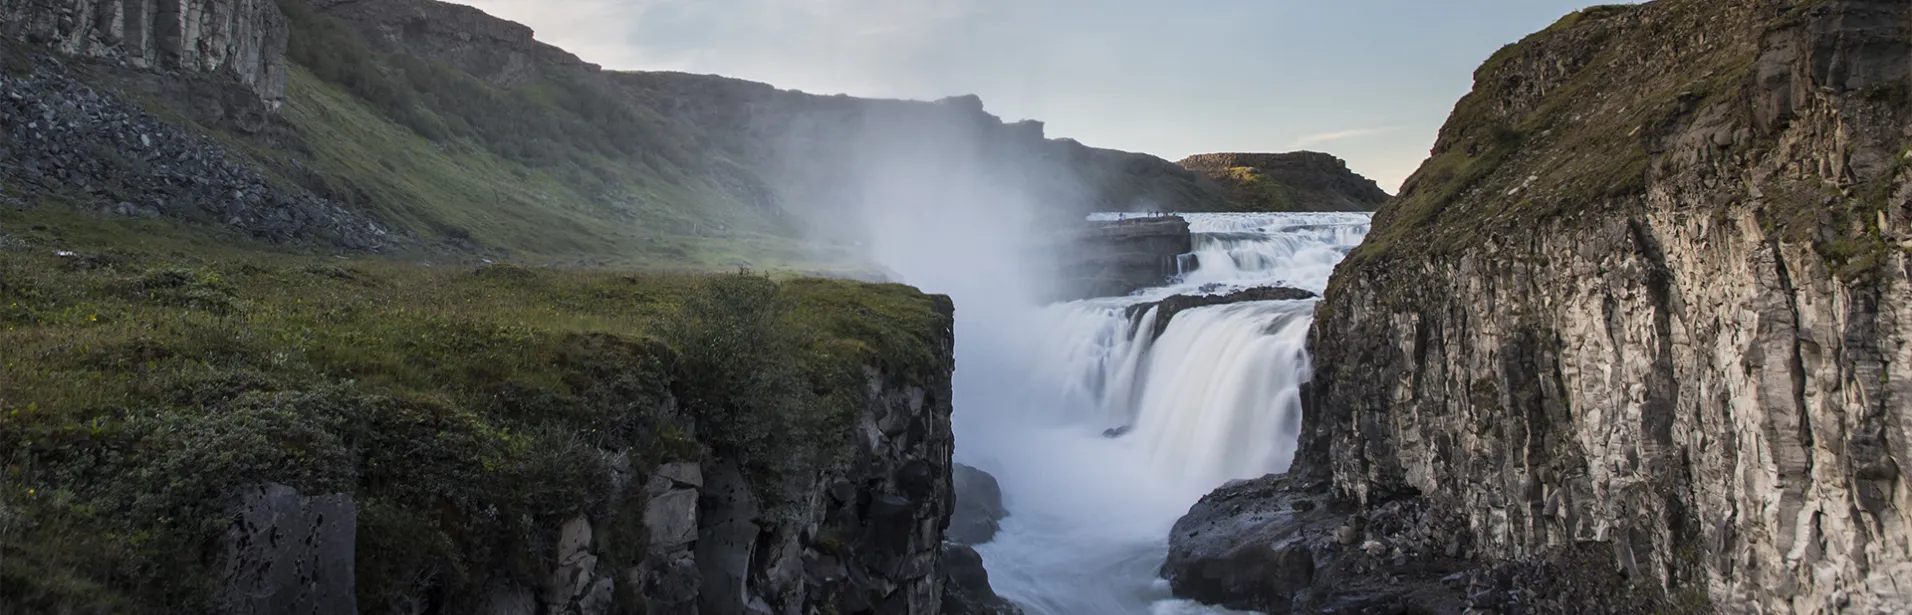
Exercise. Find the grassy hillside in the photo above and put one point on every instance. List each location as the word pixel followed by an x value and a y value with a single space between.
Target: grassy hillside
pixel 560 170
pixel 147 369
pixel 1568 122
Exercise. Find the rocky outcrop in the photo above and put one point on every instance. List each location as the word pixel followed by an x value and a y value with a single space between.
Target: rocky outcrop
pixel 78 144
pixel 1166 309
pixel 241 39
pixel 1646 302
pixel 966 588
pixel 1296 181
pixel 1115 258
pixel 978 515
pixel 869 538
pixel 863 534
pixel 1285 544
pixel 979 510
pixel 668 576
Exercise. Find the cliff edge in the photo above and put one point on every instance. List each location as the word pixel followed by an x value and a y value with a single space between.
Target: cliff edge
pixel 260 433
pixel 1631 340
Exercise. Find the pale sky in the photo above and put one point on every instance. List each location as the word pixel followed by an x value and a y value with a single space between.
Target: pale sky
pixel 1367 80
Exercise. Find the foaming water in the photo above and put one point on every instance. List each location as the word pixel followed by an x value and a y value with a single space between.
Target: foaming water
pixel 1222 400
pixel 1215 397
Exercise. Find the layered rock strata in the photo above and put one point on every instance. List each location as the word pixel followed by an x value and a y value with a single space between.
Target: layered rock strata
pixel 1637 322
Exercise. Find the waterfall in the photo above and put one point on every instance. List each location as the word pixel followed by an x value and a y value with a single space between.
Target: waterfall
pixel 1104 433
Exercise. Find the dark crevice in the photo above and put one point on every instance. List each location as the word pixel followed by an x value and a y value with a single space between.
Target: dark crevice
pixel 1795 362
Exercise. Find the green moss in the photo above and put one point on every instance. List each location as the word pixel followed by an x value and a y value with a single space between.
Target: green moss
pixel 470 411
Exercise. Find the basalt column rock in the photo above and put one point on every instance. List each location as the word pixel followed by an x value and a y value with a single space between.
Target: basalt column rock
pixel 1642 317
pixel 243 39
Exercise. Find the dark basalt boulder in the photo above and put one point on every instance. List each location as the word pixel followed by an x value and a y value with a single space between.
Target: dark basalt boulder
pixel 1287 544
pixel 966 588
pixel 1280 545
pixel 979 510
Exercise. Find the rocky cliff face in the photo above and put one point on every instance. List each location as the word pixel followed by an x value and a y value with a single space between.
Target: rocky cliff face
pixel 1297 181
pixel 866 537
pixel 1645 302
pixel 241 39
pixel 497 51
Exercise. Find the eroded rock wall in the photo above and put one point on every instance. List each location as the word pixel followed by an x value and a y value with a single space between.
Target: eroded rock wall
pixel 1713 404
pixel 1639 322
pixel 865 537
pixel 1686 373
pixel 245 39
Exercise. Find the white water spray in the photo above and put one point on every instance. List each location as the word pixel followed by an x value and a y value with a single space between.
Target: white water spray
pixel 1214 398
pixel 950 205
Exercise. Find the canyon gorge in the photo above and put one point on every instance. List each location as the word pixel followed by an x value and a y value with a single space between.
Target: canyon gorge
pixel 341 306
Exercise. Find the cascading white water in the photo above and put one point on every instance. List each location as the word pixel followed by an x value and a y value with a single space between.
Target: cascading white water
pixel 1214 398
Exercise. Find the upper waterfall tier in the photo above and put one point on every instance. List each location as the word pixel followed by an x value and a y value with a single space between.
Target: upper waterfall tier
pixel 1106 418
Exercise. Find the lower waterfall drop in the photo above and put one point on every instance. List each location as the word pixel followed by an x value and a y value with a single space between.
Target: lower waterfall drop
pixel 1103 433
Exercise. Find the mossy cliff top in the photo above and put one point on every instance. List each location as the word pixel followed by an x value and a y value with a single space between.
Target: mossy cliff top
pixel 147 371
pixel 1708 105
pixel 1294 181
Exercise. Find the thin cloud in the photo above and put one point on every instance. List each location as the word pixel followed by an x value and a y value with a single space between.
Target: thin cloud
pixel 883 49
pixel 1339 135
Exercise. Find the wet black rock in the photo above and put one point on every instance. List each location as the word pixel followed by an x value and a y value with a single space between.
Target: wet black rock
pixel 979 509
pixel 1286 544
pixel 966 589
pixel 1281 545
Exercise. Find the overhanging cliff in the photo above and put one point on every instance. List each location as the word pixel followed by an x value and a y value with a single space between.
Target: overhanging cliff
pixel 1632 339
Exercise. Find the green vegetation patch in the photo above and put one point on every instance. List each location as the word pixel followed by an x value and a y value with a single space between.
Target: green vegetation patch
pixel 1257 192
pixel 1560 125
pixel 469 411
